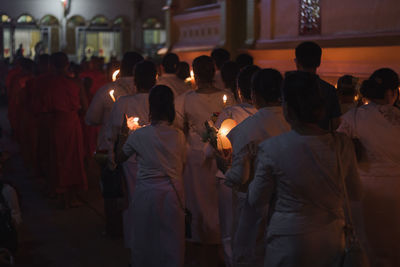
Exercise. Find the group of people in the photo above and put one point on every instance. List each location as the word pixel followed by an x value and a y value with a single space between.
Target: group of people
pixel 299 150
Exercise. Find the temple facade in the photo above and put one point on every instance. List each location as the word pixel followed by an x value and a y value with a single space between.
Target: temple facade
pixel 357 36
pixel 81 27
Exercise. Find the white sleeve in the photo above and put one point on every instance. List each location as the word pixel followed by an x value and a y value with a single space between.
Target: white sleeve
pixel 94 114
pixel 263 185
pixel 129 147
pixel 239 172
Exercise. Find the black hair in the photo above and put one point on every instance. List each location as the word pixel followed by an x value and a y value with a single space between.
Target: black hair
pixel 220 56
pixel 59 60
pixel 244 60
pixel 203 68
pixel 28 65
pixel 267 84
pixel 170 63
pixel 379 82
pixel 128 63
pixel 145 74
pixel 302 94
pixel 308 55
pixel 346 85
pixel 161 104
pixel 183 70
pixel 229 73
pixel 244 80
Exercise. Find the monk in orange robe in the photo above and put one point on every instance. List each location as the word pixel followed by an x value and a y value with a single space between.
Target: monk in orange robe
pixel 65 99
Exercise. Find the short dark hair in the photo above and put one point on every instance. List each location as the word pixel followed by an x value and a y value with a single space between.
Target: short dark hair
pixel 183 71
pixel 161 104
pixel 379 82
pixel 59 60
pixel 244 60
pixel 128 63
pixel 244 80
pixel 170 62
pixel 302 94
pixel 308 55
pixel 346 85
pixel 203 68
pixel 220 56
pixel 229 73
pixel 145 74
pixel 267 84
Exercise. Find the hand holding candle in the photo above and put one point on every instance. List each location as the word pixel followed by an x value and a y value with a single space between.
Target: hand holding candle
pixel 112 95
pixel 132 123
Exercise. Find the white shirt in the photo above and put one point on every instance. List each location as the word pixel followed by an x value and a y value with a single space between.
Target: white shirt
pixel 177 85
pixel 245 137
pixel 99 109
pixel 160 151
pixel 11 199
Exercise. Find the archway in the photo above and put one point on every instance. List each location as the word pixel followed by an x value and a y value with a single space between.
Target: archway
pixel 26 36
pixel 50 32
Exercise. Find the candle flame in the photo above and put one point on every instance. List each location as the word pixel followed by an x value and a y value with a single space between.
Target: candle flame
pixel 136 119
pixel 192 74
pixel 112 95
pixel 114 75
pixel 224 98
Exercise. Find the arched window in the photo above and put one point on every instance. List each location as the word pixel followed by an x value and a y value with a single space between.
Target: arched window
pixel 100 21
pixel 121 22
pixel 5 18
pixel 26 19
pixel 49 20
pixel 76 21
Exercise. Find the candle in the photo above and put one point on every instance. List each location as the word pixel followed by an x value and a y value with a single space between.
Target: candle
pixel 132 122
pixel 114 75
pixel 223 141
pixel 112 95
pixel 224 98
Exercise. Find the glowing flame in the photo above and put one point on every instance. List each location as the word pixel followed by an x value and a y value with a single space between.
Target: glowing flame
pixel 114 75
pixel 136 119
pixel 112 95
pixel 224 98
pixel 192 74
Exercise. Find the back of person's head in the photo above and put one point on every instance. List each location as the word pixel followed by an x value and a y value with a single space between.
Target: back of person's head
pixel 43 63
pixel 244 80
pixel 347 85
pixel 266 83
pixel 308 55
pixel 59 60
pixel 229 73
pixel 302 95
pixel 379 83
pixel 203 68
pixel 244 60
pixel 183 70
pixel 220 56
pixel 27 65
pixel 128 63
pixel 161 104
pixel 170 63
pixel 145 75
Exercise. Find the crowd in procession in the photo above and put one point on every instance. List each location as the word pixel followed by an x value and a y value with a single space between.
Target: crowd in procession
pixel 300 163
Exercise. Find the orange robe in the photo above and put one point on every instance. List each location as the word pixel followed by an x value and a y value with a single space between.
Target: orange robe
pixel 66 133
pixel 90 133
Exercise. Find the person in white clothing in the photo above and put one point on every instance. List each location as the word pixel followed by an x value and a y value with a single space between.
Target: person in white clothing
pixel 193 110
pixel 99 110
pixel 302 175
pixel 99 114
pixel 168 78
pixel 130 107
pixel 248 222
pixel 376 126
pixel 238 113
pixel 158 227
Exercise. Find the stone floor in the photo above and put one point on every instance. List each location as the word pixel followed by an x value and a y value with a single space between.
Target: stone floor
pixel 52 237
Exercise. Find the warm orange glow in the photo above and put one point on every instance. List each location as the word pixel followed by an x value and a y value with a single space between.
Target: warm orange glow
pixel 115 75
pixel 223 141
pixel 356 98
pixel 132 123
pixel 224 98
pixel 112 95
pixel 192 75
